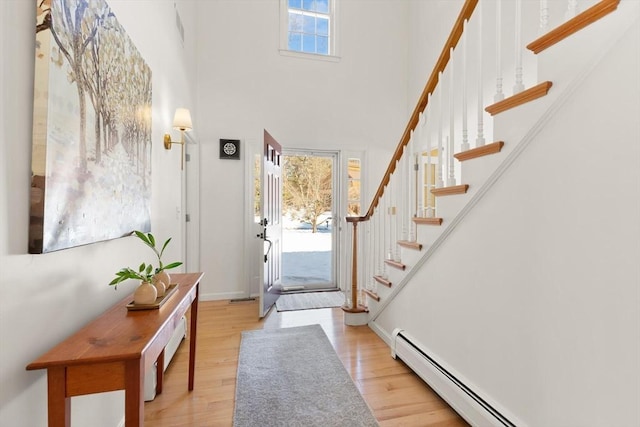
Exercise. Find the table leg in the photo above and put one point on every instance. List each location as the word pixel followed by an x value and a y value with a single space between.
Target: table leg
pixel 192 337
pixel 159 372
pixel 58 402
pixel 133 397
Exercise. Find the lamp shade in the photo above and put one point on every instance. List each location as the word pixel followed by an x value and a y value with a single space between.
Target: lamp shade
pixel 182 119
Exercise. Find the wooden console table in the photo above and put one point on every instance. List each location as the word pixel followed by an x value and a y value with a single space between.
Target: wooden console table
pixel 115 350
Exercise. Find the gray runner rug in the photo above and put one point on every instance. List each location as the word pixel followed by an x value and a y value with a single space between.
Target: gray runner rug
pixel 293 377
pixel 309 300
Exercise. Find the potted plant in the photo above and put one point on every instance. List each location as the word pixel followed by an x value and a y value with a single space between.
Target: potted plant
pixel 161 278
pixel 146 293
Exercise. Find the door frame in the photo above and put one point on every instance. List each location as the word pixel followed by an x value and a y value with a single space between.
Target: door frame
pixel 252 228
pixel 253 246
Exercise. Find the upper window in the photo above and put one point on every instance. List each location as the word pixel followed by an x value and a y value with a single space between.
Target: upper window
pixel 309 26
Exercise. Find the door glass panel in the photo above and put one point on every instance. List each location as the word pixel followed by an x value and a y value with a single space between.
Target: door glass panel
pixel 308 205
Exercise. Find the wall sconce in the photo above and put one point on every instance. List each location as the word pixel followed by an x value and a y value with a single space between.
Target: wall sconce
pixel 182 122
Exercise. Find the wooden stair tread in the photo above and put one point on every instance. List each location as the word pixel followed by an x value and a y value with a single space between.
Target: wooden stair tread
pixel 382 281
pixel 395 264
pixel 427 221
pixel 573 25
pixel 523 97
pixel 450 191
pixel 484 150
pixel 411 245
pixel 371 294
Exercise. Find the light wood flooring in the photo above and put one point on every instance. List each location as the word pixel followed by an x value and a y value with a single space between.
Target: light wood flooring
pixel 395 394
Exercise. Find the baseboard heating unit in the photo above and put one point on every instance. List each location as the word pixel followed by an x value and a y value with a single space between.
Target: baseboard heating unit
pixel 468 404
pixel 169 351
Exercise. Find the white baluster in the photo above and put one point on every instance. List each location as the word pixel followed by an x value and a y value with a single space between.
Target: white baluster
pixel 409 181
pixel 364 281
pixel 572 9
pixel 392 217
pixel 544 17
pixel 518 86
pixel 376 250
pixel 429 210
pixel 397 208
pixel 387 225
pixel 412 176
pixel 440 181
pixel 451 179
pixel 420 209
pixel 372 236
pixel 389 254
pixel 408 188
pixel 376 237
pixel 499 96
pixel 480 138
pixel 367 274
pixel 349 257
pixel 379 212
pixel 405 188
pixel 465 134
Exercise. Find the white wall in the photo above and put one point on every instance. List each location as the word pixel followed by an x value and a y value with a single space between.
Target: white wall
pixel 430 23
pixel 245 85
pixel 534 299
pixel 45 298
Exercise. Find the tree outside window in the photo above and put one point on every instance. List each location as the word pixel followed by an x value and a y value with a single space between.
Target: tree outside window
pixel 307 189
pixel 354 194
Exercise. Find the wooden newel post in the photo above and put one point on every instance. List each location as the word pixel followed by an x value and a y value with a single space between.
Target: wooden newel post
pixel 355 307
pixel 354 268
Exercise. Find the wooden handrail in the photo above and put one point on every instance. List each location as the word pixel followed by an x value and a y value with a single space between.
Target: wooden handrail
pixel 443 60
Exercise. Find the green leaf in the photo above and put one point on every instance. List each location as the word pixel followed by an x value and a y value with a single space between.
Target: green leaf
pixel 152 240
pixel 141 268
pixel 172 265
pixel 142 237
pixel 165 245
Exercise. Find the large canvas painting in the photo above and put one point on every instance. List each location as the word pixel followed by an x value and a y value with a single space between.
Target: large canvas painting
pixel 91 158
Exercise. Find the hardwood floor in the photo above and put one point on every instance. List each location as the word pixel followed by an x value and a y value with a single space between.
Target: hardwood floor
pixel 395 394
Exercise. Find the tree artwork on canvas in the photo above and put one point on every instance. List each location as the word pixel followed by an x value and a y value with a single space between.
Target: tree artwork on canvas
pixel 91 158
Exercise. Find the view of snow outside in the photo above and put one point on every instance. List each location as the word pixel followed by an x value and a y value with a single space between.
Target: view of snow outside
pixel 306 256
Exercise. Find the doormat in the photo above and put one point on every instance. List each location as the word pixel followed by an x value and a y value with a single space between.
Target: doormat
pixel 309 300
pixel 293 377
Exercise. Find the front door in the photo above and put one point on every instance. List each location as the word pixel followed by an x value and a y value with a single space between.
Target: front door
pixel 271 221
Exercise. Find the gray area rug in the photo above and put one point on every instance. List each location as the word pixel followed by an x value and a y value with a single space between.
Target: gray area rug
pixel 293 377
pixel 309 300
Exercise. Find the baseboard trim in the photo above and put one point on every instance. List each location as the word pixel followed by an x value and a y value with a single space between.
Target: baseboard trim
pixel 221 296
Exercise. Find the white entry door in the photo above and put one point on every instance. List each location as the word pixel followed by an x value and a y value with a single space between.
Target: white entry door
pixel 271 222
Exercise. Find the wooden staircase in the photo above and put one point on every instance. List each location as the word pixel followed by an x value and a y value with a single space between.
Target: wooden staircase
pixel 509 277
pixel 411 248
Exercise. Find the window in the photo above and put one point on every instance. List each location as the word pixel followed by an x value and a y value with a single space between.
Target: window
pixel 354 192
pixel 308 26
